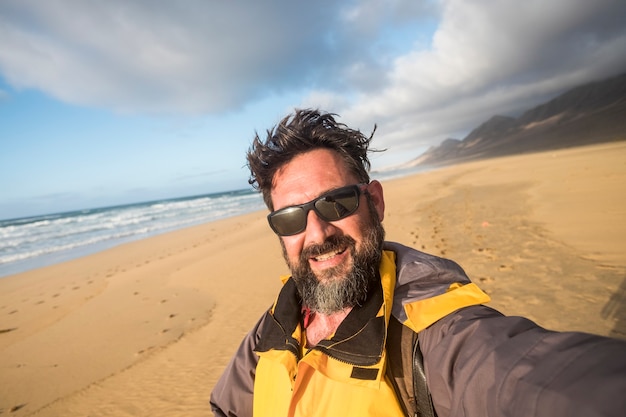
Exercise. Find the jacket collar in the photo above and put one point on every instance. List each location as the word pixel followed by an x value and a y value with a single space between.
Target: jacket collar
pixel 360 338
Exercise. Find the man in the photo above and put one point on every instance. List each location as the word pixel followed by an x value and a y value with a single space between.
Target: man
pixel 329 347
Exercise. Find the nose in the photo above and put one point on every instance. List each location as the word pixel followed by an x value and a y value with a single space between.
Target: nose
pixel 317 230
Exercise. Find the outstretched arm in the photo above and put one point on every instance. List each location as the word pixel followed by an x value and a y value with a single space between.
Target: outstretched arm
pixel 481 363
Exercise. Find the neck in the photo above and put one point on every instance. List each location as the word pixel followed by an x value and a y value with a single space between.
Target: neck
pixel 322 326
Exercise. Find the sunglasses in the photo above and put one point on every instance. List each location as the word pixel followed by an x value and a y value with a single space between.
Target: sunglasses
pixel 331 206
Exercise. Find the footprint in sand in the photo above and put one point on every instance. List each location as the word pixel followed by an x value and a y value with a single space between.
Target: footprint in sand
pixel 487 252
pixel 12 329
pixel 16 408
pixel 142 351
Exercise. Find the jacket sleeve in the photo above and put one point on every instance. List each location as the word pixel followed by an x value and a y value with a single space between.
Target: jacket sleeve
pixel 232 394
pixel 481 363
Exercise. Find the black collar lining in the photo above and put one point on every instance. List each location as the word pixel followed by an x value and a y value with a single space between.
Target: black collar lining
pixel 359 340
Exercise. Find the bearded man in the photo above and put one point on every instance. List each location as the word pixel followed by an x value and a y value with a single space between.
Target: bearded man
pixel 333 342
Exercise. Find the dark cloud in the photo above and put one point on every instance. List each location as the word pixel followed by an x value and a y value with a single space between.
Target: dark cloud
pixel 176 56
pixel 366 60
pixel 489 58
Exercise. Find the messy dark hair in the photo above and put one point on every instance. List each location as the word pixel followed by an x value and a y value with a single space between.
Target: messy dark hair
pixel 300 132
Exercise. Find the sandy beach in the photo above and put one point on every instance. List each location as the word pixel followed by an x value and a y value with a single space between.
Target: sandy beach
pixel 146 328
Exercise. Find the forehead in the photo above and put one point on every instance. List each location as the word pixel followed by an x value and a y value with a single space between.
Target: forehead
pixel 308 175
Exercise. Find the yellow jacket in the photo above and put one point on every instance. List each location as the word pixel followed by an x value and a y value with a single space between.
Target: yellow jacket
pixel 477 362
pixel 345 374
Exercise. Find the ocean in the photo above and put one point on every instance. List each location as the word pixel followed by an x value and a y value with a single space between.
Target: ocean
pixel 33 242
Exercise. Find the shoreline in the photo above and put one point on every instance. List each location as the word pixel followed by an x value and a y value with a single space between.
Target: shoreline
pixel 49 239
pixel 146 327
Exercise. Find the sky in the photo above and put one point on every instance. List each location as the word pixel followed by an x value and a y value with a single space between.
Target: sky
pixel 120 101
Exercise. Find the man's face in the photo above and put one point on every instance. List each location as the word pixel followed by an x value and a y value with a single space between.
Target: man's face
pixel 332 263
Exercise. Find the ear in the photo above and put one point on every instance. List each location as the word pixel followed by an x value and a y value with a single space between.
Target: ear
pixel 375 189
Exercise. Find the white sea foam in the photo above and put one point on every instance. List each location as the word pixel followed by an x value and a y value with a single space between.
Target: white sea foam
pixel 33 242
pixel 37 241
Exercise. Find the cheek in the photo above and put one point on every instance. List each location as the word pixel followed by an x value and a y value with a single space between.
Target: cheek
pixel 354 226
pixel 292 246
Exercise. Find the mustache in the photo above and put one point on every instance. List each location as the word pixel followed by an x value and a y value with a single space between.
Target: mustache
pixel 332 243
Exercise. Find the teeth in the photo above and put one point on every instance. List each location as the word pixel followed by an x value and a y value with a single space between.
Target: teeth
pixel 326 256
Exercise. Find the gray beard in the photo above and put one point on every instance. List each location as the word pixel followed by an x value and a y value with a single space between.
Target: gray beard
pixel 340 287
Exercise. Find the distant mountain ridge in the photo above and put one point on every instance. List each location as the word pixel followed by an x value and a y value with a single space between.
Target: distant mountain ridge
pixel 588 114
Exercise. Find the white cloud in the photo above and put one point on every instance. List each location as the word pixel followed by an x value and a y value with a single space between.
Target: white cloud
pixel 487 58
pixel 194 55
pixel 163 56
pixel 367 60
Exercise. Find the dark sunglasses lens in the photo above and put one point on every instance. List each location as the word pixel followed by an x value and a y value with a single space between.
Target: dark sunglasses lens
pixel 288 221
pixel 338 204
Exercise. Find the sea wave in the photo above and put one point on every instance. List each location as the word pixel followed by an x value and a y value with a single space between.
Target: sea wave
pixel 26 243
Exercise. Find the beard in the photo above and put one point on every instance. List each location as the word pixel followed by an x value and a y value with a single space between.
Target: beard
pixel 343 286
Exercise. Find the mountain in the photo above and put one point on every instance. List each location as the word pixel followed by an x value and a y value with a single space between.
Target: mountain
pixel 591 113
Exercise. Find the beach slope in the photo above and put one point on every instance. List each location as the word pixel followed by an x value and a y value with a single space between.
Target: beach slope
pixel 146 328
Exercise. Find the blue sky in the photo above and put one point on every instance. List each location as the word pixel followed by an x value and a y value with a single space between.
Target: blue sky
pixel 120 101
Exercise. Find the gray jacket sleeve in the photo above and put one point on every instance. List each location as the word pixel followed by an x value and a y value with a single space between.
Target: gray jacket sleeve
pixel 232 395
pixel 481 363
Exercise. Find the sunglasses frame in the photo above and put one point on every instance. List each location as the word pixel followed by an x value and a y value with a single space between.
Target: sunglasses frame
pixel 310 205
